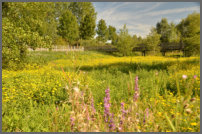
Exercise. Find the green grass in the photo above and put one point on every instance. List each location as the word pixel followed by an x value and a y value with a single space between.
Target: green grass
pixel 31 96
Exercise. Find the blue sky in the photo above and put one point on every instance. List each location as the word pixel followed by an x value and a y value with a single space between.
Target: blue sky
pixel 141 16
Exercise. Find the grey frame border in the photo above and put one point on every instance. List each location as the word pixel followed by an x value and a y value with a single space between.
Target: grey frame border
pixel 85 1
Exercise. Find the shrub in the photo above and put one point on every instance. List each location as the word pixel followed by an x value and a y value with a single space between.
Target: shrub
pixel 88 42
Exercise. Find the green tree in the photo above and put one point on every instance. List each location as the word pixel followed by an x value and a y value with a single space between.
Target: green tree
pixel 34 16
pixel 173 34
pixel 153 40
pixel 125 42
pixel 87 27
pixel 23 27
pixel 15 41
pixel 112 35
pixel 111 31
pixel 68 27
pixel 163 29
pixel 190 33
pixel 81 9
pixel 84 11
pixel 140 40
pixel 102 31
pixel 135 40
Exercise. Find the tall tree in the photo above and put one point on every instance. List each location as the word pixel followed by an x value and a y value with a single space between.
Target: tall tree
pixel 153 40
pixel 102 31
pixel 87 27
pixel 190 33
pixel 112 35
pixel 163 29
pixel 135 40
pixel 68 27
pixel 140 40
pixel 173 34
pixel 125 42
pixel 111 31
pixel 81 10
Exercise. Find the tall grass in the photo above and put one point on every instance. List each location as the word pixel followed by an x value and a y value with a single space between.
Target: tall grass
pixel 91 92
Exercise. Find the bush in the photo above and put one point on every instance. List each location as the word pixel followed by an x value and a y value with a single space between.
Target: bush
pixel 61 42
pixel 13 47
pixel 88 42
pixel 15 41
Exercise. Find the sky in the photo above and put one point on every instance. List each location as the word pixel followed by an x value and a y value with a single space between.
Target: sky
pixel 140 17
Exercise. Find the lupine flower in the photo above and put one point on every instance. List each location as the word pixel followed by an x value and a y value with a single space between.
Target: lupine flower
pixel 123 110
pixel 72 122
pixel 88 117
pixel 184 76
pixel 123 116
pixel 107 105
pixel 111 123
pixel 92 105
pixel 136 84
pixel 147 113
pixel 136 94
pixel 146 116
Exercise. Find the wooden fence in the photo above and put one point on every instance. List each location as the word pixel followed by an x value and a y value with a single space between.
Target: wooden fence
pixel 60 48
pixel 110 48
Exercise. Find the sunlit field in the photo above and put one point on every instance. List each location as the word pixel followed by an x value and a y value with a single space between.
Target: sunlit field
pixel 98 92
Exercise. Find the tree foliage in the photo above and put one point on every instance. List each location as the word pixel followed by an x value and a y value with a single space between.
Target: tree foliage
pixel 81 9
pixel 190 33
pixel 87 27
pixel 163 29
pixel 173 34
pixel 125 42
pixel 68 27
pixel 84 11
pixel 112 35
pixel 23 27
pixel 153 40
pixel 102 31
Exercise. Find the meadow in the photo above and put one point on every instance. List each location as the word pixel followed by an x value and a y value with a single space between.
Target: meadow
pixel 99 92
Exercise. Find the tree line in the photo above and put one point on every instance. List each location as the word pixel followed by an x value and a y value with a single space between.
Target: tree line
pixel 45 24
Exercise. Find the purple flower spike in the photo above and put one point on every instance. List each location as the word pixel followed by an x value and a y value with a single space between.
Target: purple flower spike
pixel 146 116
pixel 92 105
pixel 107 105
pixel 136 94
pixel 123 110
pixel 136 84
pixel 111 123
pixel 72 122
pixel 147 113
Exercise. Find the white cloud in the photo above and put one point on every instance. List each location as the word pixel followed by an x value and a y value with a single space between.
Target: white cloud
pixel 139 17
pixel 171 11
pixel 116 18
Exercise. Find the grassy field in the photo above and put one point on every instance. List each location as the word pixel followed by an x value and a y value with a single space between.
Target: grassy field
pixel 92 92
